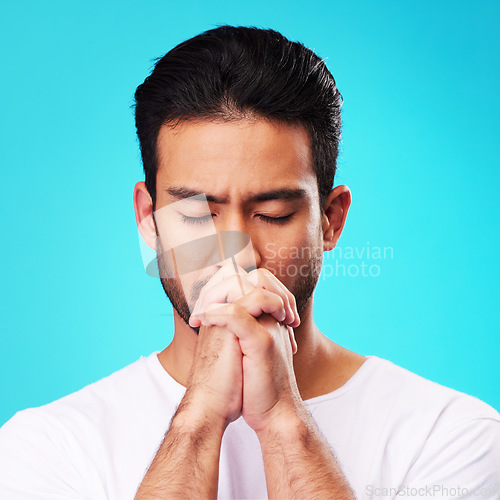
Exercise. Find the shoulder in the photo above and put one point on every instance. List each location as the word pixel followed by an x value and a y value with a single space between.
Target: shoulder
pixel 68 445
pixel 89 404
pixel 425 433
pixel 455 436
pixel 386 400
pixel 449 432
pixel 415 396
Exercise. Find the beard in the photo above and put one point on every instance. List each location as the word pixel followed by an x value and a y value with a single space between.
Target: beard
pixel 301 286
pixel 174 290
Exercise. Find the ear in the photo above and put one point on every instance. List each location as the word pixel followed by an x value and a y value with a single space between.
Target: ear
pixel 335 213
pixel 143 206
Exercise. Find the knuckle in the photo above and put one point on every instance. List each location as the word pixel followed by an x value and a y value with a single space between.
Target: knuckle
pixel 265 274
pixel 270 274
pixel 279 301
pixel 256 293
pixel 260 274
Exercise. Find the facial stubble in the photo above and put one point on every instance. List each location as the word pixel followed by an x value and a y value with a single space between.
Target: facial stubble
pixel 302 287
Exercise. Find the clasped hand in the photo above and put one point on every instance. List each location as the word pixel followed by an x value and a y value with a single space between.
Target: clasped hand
pixel 243 359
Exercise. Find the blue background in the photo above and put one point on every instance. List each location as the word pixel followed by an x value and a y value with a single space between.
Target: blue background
pixel 420 153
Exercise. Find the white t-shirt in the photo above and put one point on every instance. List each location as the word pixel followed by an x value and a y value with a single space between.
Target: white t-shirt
pixel 389 428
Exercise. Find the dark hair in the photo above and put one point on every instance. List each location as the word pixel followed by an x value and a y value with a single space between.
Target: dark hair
pixel 232 72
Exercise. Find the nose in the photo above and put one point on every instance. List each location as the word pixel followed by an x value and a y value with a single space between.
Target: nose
pixel 238 246
pixel 236 243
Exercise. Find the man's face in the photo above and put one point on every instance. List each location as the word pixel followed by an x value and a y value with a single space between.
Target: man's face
pixel 258 179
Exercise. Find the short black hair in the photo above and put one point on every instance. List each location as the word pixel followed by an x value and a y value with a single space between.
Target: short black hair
pixel 232 72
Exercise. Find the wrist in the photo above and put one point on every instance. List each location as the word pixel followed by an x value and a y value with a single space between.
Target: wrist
pixel 192 416
pixel 286 423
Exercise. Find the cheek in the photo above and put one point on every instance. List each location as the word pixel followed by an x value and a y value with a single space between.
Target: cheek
pixel 287 249
pixel 290 259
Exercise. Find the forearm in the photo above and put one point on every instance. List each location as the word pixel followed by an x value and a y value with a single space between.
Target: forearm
pixel 299 463
pixel 187 462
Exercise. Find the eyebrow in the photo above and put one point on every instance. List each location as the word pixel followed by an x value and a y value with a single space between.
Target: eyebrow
pixel 182 192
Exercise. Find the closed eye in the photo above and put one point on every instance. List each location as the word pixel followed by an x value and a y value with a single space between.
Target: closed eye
pixel 276 220
pixel 266 218
pixel 196 220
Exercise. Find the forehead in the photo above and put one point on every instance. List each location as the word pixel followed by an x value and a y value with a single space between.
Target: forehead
pixel 246 154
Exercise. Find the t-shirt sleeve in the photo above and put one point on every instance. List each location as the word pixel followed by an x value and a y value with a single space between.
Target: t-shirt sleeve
pixel 461 463
pixel 34 463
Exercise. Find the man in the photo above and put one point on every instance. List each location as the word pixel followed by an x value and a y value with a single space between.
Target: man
pixel 239 132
